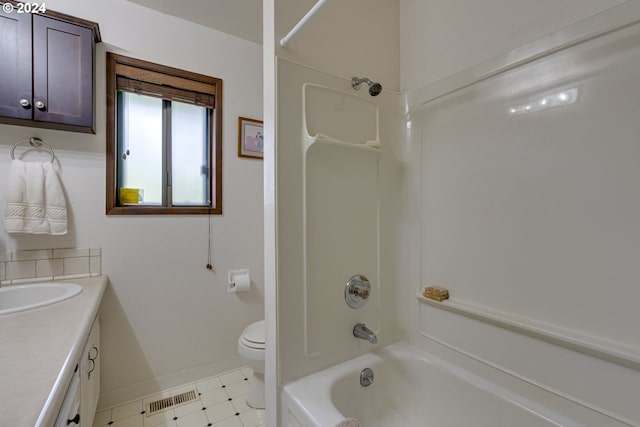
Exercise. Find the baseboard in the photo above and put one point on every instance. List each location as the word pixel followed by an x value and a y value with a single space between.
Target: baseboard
pixel 111 398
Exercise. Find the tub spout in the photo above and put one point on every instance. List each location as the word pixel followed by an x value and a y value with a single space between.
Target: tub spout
pixel 362 332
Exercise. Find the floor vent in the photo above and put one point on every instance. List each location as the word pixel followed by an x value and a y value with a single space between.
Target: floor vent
pixel 170 402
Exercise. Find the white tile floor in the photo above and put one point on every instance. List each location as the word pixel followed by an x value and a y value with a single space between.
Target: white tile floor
pixel 220 403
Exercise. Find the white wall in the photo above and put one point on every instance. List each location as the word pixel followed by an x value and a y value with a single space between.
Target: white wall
pixel 271 376
pixel 441 37
pixel 164 312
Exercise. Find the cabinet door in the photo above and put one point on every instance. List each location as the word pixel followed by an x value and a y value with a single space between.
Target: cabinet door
pixel 15 66
pixel 62 72
pixel 90 381
pixel 69 414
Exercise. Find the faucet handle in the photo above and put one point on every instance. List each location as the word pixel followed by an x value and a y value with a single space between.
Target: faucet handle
pixel 361 292
pixel 356 291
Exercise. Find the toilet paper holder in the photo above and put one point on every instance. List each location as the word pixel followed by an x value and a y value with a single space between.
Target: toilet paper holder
pixel 232 276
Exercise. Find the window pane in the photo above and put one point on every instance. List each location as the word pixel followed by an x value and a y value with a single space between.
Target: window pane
pixel 141 143
pixel 189 154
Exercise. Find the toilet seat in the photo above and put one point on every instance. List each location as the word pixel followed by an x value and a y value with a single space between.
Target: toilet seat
pixel 253 336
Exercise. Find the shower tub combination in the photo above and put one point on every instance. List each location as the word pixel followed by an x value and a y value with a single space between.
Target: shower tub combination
pixel 410 389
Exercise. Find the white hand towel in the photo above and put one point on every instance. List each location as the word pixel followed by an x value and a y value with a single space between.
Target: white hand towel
pixel 35 202
pixel 349 422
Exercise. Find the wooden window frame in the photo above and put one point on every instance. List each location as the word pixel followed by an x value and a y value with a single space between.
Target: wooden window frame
pixel 206 91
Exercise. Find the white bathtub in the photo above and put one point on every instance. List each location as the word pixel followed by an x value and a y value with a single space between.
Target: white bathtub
pixel 410 389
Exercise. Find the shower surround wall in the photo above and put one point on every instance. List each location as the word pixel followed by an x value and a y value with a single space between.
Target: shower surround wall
pixel 530 207
pixel 439 38
pixel 342 219
pixel 321 336
pixel 165 319
pixel 476 180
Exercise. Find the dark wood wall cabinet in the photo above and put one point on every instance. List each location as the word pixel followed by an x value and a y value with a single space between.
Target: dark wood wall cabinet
pixel 46 70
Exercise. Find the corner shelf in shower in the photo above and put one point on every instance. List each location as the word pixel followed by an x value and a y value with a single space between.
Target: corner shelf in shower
pixel 311 140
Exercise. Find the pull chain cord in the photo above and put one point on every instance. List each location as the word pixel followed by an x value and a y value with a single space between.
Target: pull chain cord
pixel 209 265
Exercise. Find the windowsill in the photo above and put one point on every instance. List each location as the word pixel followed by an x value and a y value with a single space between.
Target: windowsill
pixel 158 205
pixel 142 209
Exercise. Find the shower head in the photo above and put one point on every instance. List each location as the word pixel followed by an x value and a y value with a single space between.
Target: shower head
pixel 374 87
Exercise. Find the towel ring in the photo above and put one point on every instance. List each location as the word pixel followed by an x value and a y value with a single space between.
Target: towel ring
pixel 35 143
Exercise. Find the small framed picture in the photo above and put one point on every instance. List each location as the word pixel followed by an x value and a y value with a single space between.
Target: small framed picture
pixel 250 138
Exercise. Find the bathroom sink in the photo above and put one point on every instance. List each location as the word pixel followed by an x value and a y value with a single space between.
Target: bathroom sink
pixel 26 297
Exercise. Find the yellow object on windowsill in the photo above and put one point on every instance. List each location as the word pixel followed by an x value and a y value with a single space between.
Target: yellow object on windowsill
pixel 130 196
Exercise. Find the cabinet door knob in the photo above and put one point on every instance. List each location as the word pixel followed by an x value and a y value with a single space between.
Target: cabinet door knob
pixel 94 357
pixel 93 368
pixel 25 103
pixel 40 105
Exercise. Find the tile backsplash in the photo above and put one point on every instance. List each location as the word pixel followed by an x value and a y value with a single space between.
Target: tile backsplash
pixel 49 264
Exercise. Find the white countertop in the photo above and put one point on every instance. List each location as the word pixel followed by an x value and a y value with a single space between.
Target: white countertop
pixel 39 349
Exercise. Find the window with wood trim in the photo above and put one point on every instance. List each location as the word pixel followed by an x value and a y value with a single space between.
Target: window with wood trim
pixel 164 139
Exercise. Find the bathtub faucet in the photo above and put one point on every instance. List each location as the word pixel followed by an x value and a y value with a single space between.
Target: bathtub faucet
pixel 362 332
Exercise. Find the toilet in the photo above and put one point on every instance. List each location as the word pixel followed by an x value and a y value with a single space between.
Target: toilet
pixel 251 348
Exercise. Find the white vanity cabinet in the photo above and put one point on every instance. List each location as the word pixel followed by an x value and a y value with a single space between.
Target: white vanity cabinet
pixel 90 376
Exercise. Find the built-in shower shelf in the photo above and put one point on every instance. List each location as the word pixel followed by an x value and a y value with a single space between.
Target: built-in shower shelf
pixel 371 146
pixel 573 340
